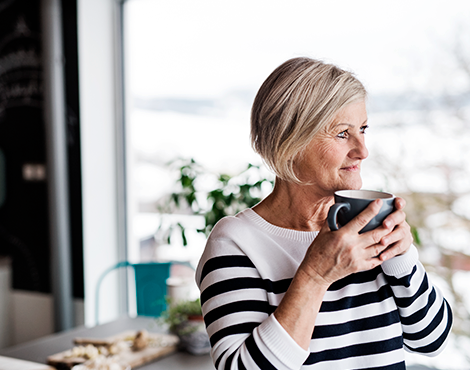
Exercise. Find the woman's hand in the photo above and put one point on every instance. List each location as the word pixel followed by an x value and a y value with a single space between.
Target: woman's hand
pixel 400 239
pixel 336 254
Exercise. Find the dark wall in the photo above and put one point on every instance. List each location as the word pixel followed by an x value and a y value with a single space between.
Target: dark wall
pixel 24 219
pixel 69 10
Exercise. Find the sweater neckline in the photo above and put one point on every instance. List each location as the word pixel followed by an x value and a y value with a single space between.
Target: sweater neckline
pixel 303 236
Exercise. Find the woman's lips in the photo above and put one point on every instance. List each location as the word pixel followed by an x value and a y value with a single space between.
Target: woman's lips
pixel 354 168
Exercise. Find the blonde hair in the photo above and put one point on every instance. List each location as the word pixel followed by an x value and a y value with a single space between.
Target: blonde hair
pixel 297 100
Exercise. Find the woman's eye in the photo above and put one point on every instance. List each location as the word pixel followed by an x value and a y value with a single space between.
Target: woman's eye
pixel 364 128
pixel 343 135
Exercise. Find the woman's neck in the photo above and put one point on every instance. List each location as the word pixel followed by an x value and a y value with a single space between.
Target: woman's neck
pixel 293 206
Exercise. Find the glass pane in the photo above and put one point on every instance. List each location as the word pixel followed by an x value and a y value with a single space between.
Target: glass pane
pixel 193 69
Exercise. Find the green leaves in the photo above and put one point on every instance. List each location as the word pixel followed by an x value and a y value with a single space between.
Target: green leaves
pixel 228 196
pixel 189 171
pixel 178 312
pixel 233 194
pixel 415 234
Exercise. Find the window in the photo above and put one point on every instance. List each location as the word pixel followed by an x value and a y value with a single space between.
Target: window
pixel 193 69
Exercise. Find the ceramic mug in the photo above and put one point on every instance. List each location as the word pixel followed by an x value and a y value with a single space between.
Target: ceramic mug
pixel 349 203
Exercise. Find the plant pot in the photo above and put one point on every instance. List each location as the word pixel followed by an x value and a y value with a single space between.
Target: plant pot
pixel 193 336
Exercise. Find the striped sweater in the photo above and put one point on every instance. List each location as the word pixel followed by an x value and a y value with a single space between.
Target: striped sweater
pixel 366 320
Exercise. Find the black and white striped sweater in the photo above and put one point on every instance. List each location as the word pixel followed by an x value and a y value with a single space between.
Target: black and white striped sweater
pixel 366 319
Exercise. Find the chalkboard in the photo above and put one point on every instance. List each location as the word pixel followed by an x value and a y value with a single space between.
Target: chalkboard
pixel 24 221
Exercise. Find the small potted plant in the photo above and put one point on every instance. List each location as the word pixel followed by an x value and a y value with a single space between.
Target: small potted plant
pixel 184 319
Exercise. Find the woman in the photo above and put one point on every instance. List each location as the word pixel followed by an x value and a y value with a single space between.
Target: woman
pixel 279 289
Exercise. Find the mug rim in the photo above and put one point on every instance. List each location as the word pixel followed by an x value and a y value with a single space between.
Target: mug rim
pixel 367 194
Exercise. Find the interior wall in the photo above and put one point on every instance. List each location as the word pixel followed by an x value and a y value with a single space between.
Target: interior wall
pixel 30 324
pixel 98 43
pixel 5 303
pixel 18 322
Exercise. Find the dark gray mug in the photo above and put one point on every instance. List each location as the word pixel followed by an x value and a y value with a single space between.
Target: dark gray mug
pixel 349 203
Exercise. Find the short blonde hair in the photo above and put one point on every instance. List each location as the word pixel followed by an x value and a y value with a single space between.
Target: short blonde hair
pixel 296 101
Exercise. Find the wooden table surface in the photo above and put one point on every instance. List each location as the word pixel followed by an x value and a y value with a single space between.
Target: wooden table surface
pixel 39 349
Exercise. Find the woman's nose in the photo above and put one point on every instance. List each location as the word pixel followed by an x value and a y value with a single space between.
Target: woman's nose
pixel 359 151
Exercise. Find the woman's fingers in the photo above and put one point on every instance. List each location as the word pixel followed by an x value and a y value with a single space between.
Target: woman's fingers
pixel 400 203
pixel 394 219
pixel 335 254
pixel 397 216
pixel 372 237
pixel 363 218
pixel 397 242
pixel 400 231
pixel 374 251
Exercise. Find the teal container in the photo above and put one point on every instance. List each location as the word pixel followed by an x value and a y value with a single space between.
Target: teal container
pixel 150 286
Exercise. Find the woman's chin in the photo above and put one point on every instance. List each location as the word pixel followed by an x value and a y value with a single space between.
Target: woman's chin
pixel 355 184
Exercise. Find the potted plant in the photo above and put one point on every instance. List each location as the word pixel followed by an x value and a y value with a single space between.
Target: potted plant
pixel 225 196
pixel 184 318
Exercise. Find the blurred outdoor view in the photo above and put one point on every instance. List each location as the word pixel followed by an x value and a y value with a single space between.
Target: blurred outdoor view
pixel 193 69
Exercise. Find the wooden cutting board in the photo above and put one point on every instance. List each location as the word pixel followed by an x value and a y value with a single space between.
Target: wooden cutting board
pixel 160 345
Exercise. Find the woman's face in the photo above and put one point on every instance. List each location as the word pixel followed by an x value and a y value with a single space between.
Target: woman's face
pixel 332 160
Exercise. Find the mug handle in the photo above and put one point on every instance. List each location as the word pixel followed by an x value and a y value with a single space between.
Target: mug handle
pixel 333 214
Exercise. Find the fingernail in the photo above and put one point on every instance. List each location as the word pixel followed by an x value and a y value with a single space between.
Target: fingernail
pixel 387 224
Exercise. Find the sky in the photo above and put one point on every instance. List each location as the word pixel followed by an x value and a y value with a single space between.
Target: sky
pixel 199 49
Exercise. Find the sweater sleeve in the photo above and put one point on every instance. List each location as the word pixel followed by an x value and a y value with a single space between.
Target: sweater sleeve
pixel 425 315
pixel 243 332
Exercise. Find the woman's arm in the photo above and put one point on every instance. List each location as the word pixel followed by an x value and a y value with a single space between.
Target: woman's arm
pixel 425 315
pixel 243 332
pixel 332 256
